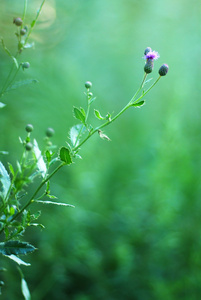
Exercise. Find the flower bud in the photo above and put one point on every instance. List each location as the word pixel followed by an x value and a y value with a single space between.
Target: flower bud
pixel 88 84
pixel 49 132
pixel 148 49
pixel 29 128
pixel 29 146
pixel 149 66
pixel 25 65
pixel 23 31
pixel 163 70
pixel 17 21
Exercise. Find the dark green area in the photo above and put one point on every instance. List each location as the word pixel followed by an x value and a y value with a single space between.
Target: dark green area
pixel 135 230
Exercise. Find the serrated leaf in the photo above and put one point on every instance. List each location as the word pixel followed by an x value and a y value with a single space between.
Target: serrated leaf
pixel 39 159
pixel 5 180
pixel 65 156
pixel 18 260
pixel 16 248
pixel 140 103
pixel 21 83
pixel 54 203
pixel 74 132
pixel 98 115
pixel 2 105
pixel 79 114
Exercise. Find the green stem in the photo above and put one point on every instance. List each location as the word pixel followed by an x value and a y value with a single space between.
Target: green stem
pixel 131 102
pixel 31 200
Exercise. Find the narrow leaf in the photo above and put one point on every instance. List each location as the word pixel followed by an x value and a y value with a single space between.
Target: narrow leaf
pixel 65 156
pixel 9 54
pixel 16 248
pixel 11 169
pixel 140 103
pixel 40 162
pixel 98 115
pixel 25 289
pixel 21 83
pixel 79 114
pixel 18 260
pixel 54 203
pixel 74 132
pixel 5 180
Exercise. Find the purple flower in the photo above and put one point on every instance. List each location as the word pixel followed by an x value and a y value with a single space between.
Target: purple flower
pixel 151 55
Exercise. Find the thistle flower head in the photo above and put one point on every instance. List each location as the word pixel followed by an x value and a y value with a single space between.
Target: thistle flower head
pixel 151 55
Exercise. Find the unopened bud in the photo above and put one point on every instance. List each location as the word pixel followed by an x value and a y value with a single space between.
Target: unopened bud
pixel 17 21
pixel 149 66
pixel 163 70
pixel 29 128
pixel 25 65
pixel 29 146
pixel 148 49
pixel 88 84
pixel 49 132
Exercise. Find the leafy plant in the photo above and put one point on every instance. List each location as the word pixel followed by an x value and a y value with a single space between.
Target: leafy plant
pixel 16 197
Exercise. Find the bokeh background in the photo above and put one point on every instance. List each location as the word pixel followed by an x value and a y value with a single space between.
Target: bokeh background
pixel 135 230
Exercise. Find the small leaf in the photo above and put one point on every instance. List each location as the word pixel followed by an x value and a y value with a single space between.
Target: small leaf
pixel 79 114
pixel 2 105
pixel 5 180
pixel 21 83
pixel 9 54
pixel 48 156
pixel 74 132
pixel 40 162
pixel 98 115
pixel 92 100
pixel 54 203
pixel 65 156
pixel 11 169
pixel 25 289
pixel 16 248
pixel 138 104
pixel 17 260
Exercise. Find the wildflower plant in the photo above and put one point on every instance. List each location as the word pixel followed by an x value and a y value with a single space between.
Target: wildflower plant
pixel 16 198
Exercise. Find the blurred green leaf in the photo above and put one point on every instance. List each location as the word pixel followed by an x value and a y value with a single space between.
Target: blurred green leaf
pixel 2 105
pixel 39 159
pixel 74 132
pixel 9 54
pixel 65 156
pixel 54 203
pixel 25 289
pixel 98 115
pixel 5 180
pixel 18 260
pixel 138 104
pixel 16 248
pixel 21 83
pixel 78 113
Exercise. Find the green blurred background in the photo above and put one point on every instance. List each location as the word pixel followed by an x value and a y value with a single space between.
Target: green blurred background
pixel 135 231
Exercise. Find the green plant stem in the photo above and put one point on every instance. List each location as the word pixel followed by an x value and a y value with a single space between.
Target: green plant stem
pixel 130 103
pixel 31 200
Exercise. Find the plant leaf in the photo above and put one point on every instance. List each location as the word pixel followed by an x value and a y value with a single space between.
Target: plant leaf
pixel 21 83
pixel 54 203
pixel 98 115
pixel 25 289
pixel 78 113
pixel 65 156
pixel 16 248
pixel 74 132
pixel 40 161
pixel 9 54
pixel 2 105
pixel 138 104
pixel 5 180
pixel 18 260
